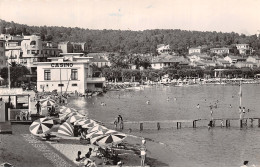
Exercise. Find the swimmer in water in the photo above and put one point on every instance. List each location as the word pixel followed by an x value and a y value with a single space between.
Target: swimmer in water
pixel 198 106
pixel 175 98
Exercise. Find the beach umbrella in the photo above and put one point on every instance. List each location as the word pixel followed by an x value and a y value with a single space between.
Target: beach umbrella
pixel 41 126
pixel 109 131
pixel 67 110
pixel 66 129
pixel 84 122
pixel 96 133
pixel 96 128
pixel 111 139
pixel 74 118
pixel 63 117
pixel 90 125
pixel 71 114
pixel 47 102
pixel 93 140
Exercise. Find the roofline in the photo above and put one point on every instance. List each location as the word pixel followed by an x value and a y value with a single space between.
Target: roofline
pixel 74 62
pixel 70 53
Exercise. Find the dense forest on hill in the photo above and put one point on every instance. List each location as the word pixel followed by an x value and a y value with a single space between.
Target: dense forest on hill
pixel 132 41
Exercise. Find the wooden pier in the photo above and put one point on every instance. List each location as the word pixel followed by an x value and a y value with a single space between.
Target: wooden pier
pixel 225 122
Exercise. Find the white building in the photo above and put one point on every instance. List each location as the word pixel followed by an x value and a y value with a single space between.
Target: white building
pixel 70 73
pixel 162 48
pixel 244 48
pixel 195 50
pixel 220 51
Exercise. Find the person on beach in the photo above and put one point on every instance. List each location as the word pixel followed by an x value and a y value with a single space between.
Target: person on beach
pixel 89 152
pixel 86 161
pixel 148 102
pixel 38 107
pixel 168 99
pixel 230 106
pixel 143 155
pixel 79 158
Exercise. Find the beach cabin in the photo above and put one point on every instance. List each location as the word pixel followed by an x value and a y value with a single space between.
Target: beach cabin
pixel 70 73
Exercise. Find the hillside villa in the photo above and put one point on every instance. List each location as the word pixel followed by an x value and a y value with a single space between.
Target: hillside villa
pixel 220 51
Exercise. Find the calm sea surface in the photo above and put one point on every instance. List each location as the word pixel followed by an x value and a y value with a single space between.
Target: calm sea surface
pixel 186 146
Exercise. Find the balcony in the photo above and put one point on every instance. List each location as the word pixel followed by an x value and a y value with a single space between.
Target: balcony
pixel 96 80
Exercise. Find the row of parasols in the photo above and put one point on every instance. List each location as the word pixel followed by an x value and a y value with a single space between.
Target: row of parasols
pixel 98 134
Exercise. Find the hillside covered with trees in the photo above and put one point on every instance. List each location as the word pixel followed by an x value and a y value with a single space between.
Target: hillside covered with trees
pixel 132 41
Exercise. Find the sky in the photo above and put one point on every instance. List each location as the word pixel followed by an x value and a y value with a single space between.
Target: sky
pixel 241 16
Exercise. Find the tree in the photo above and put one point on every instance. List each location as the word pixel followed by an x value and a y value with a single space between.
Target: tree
pixel 16 73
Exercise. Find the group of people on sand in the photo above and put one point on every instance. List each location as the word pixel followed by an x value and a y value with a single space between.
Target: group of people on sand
pixel 85 160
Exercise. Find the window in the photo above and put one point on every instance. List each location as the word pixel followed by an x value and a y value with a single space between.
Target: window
pixel 47 75
pixel 74 84
pixel 33 43
pixel 1 44
pixel 74 74
pixel 28 51
pixel 60 85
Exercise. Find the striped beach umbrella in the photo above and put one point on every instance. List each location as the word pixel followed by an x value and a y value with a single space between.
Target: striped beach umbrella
pixel 71 114
pixel 93 140
pixel 84 121
pixel 74 118
pixel 96 128
pixel 67 110
pixel 96 133
pixel 90 125
pixel 66 129
pixel 109 131
pixel 111 139
pixel 41 126
pixel 47 102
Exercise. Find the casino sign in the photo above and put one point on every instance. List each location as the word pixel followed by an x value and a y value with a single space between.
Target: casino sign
pixel 61 64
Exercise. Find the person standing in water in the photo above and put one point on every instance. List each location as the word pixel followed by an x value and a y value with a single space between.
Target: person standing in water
pixel 240 113
pixel 115 123
pixel 211 112
pixel 120 122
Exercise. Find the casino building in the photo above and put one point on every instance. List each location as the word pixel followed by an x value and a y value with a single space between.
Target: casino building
pixel 70 73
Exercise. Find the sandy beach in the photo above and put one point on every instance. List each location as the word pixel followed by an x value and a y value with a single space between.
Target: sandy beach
pixel 23 149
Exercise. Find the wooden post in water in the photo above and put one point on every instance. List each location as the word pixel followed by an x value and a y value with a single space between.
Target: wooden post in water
pixel 227 123
pixel 141 126
pixel 258 122
pixel 213 123
pixel 178 125
pixel 158 126
pixel 194 124
pixel 241 123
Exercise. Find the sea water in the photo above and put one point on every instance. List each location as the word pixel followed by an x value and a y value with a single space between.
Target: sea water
pixel 186 146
